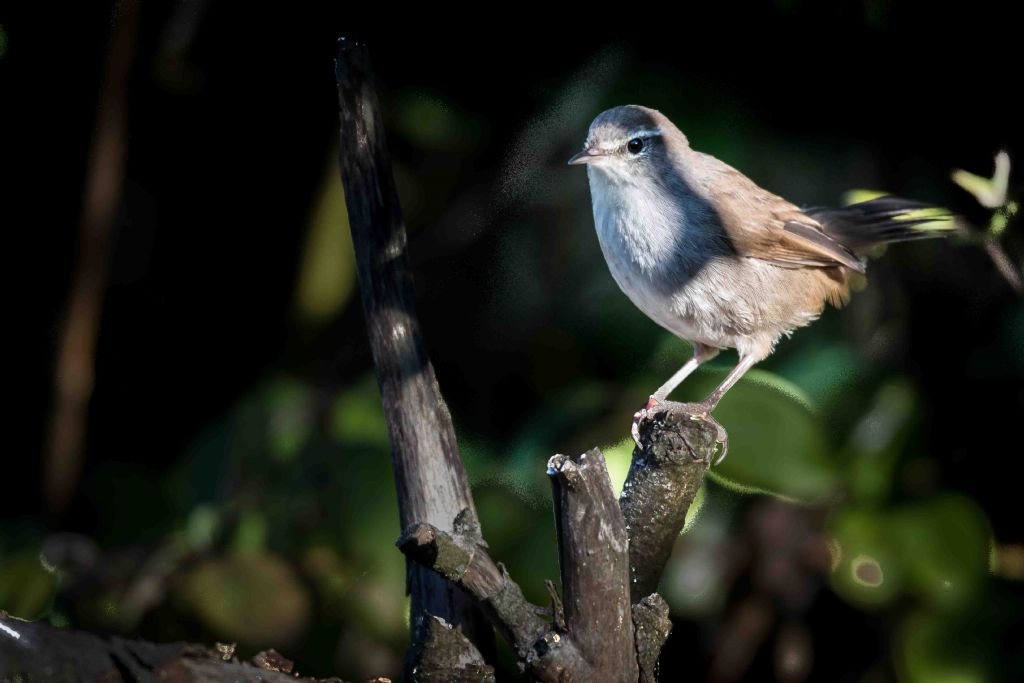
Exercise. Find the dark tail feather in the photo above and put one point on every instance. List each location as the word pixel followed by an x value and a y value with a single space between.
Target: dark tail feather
pixel 861 226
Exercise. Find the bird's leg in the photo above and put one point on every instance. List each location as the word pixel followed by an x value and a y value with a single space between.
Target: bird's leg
pixel 700 410
pixel 711 402
pixel 701 353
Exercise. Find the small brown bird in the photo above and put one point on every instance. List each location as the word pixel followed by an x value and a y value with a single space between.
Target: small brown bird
pixel 714 258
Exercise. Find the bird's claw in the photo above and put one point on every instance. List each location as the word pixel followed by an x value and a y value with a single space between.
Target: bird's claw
pixel 639 416
pixel 722 437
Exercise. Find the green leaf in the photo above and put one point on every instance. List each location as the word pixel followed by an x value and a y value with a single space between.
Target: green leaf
pixel 777 444
pixel 990 192
pixel 289 423
pixel 935 648
pixel 946 542
pixel 26 586
pixel 827 372
pixel 937 549
pixel 255 599
pixel 328 273
pixel 251 532
pixel 867 568
pixel 876 443
pixel 357 415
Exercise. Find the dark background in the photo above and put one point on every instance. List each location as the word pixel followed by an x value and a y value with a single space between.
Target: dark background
pixel 233 398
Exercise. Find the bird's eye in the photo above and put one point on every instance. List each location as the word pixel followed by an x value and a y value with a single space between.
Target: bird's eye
pixel 635 145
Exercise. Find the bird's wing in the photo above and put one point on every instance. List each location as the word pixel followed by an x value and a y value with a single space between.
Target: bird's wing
pixel 765 226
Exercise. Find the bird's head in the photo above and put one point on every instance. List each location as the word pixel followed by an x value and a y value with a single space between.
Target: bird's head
pixel 629 143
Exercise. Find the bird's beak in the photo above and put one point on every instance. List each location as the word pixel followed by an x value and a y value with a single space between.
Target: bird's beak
pixel 586 156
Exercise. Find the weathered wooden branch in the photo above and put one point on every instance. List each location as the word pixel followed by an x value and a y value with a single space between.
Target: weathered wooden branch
pixel 37 652
pixel 599 630
pixel 538 639
pixel 666 472
pixel 594 561
pixel 429 474
pixel 651 626
pixel 446 656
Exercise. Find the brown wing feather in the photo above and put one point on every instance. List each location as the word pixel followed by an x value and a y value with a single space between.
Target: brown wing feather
pixel 765 226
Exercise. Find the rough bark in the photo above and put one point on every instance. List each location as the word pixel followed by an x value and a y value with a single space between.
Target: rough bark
pixel 595 633
pixel 667 470
pixel 445 656
pixel 594 562
pixel 429 474
pixel 538 637
pixel 651 626
pixel 31 652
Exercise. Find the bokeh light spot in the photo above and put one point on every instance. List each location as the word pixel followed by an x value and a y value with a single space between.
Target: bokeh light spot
pixel 866 571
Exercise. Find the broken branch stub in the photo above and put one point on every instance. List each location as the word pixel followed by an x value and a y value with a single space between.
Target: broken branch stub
pixel 594 563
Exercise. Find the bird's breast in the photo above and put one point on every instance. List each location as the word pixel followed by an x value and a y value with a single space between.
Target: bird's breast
pixel 643 239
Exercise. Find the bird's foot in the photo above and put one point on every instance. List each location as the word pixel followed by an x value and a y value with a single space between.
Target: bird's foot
pixel 641 415
pixel 697 411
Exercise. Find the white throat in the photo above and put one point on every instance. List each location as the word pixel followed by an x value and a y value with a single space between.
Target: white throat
pixel 638 221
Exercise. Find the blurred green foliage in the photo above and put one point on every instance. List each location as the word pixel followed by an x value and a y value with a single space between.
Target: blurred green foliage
pixel 27 588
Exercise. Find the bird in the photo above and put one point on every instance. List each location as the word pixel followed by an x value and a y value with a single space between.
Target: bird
pixel 714 258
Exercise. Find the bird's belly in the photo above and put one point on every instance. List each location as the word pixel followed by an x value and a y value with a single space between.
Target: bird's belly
pixel 660 302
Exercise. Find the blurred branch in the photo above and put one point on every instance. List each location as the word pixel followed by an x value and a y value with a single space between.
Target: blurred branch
pixel 1005 266
pixel 38 652
pixel 429 474
pixel 74 376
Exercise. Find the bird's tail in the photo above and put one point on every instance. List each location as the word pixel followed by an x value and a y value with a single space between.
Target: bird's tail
pixel 863 225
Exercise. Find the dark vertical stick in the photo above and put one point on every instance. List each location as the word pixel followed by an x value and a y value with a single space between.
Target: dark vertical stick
pixel 74 378
pixel 594 561
pixel 429 474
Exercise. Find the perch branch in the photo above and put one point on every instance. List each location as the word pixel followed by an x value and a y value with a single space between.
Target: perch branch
pixel 664 477
pixel 429 474
pixel 597 634
pixel 594 561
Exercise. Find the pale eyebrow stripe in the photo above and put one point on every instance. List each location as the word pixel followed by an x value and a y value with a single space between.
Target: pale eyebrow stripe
pixel 645 134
